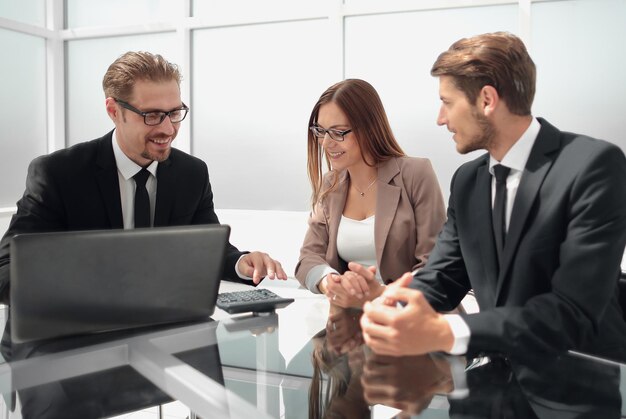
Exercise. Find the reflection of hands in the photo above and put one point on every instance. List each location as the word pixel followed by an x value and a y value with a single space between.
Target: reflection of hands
pixel 260 330
pixel 407 383
pixel 414 329
pixel 353 288
pixel 257 265
pixel 343 332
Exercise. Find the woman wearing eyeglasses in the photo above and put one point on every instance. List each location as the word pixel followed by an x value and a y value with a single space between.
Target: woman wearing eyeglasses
pixel 375 206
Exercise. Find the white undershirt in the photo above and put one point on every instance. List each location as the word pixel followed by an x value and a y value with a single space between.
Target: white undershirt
pixel 355 242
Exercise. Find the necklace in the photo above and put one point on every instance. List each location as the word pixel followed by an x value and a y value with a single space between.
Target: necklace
pixel 362 192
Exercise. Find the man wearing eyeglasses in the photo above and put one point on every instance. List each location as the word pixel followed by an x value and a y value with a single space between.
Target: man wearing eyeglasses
pixel 93 185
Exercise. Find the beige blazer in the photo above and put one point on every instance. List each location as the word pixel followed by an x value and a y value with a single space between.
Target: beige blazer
pixel 410 212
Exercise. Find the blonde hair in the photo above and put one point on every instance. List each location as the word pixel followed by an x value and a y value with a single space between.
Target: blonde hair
pixel 119 79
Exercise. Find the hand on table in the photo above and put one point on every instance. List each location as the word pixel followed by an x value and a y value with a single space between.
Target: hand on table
pixel 258 265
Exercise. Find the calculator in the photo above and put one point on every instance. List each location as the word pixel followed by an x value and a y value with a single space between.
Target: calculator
pixel 258 300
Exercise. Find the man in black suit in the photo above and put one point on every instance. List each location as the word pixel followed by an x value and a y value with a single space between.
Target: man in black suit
pixel 91 185
pixel 545 271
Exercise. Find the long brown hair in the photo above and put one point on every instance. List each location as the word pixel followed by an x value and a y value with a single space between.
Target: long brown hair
pixel 497 59
pixel 368 121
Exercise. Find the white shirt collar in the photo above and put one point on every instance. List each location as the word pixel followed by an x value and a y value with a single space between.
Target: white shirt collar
pixel 126 166
pixel 517 156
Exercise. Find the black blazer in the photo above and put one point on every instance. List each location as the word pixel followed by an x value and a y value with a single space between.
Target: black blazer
pixel 77 188
pixel 558 284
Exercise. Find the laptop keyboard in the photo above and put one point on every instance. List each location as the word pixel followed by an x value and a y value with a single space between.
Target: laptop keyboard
pixel 257 300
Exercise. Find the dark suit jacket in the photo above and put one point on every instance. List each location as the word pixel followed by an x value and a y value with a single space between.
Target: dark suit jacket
pixel 557 287
pixel 78 189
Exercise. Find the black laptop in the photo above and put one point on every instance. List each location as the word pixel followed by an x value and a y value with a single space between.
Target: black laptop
pixel 70 283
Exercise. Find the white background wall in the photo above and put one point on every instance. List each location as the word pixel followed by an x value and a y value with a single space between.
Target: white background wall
pixel 253 69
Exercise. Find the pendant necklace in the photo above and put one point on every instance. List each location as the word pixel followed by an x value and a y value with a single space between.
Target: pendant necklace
pixel 362 192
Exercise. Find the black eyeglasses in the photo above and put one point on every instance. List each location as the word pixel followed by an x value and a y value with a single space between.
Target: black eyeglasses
pixel 156 117
pixel 335 134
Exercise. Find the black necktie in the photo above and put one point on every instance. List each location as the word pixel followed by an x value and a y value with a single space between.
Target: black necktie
pixel 142 200
pixel 498 216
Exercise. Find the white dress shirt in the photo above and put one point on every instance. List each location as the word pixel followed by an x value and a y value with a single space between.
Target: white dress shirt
pixel 516 159
pixel 126 169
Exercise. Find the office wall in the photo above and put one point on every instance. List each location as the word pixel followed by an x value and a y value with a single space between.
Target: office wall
pixel 254 69
pixel 22 110
pixel 581 66
pixel 253 95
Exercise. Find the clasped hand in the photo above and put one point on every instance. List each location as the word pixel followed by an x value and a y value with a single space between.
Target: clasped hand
pixel 414 328
pixel 353 288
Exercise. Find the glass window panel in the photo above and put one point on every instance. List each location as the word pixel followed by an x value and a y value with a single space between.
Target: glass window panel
pixel 82 13
pixel 253 91
pixel 251 9
pixel 581 63
pixel 27 11
pixel 22 110
pixel 87 61
pixel 396 59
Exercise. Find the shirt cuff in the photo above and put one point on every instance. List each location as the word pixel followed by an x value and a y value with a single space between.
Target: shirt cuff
pixel 239 274
pixel 461 333
pixel 315 276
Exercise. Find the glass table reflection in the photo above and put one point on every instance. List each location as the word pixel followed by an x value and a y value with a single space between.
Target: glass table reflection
pixel 306 360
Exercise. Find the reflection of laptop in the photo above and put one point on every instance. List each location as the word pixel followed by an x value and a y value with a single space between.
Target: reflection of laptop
pixel 70 283
pixel 110 391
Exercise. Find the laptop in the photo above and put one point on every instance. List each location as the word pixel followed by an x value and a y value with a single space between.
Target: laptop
pixel 70 283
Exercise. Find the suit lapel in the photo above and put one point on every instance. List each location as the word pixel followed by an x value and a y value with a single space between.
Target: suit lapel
pixel 166 180
pixel 387 200
pixel 333 208
pixel 108 181
pixel 537 167
pixel 481 207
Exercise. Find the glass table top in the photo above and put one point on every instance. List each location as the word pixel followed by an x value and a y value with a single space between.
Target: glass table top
pixel 306 360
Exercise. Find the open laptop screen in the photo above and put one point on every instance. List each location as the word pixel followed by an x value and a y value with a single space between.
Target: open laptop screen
pixel 70 283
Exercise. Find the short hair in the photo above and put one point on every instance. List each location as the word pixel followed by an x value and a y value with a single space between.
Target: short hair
pixel 365 112
pixel 119 79
pixel 497 59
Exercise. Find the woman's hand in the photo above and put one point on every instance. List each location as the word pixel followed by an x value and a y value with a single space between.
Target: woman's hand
pixel 351 289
